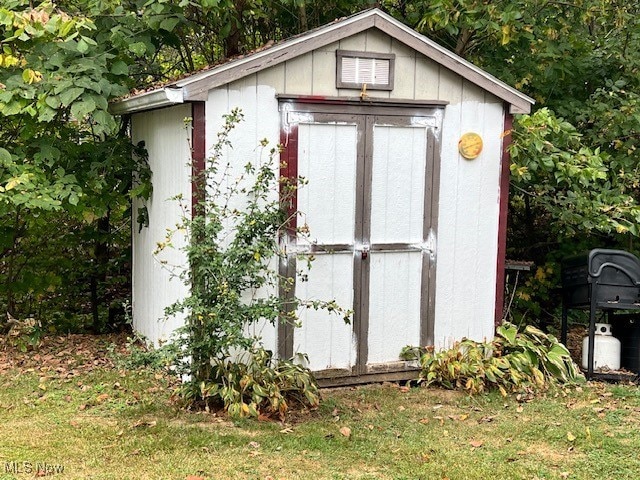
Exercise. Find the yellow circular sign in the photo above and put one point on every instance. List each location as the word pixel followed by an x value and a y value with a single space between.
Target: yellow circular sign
pixel 470 145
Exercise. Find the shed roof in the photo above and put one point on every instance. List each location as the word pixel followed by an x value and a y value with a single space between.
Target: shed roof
pixel 195 87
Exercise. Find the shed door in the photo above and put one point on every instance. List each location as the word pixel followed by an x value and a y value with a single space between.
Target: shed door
pixel 368 206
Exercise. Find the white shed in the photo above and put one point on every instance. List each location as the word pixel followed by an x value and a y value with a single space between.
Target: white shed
pixel 404 147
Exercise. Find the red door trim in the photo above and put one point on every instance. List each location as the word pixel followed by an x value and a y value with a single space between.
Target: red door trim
pixel 198 153
pixel 502 222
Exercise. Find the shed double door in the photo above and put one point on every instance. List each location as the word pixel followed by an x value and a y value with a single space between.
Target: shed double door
pixel 369 205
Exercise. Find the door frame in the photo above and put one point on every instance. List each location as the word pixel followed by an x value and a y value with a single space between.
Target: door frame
pixel 298 109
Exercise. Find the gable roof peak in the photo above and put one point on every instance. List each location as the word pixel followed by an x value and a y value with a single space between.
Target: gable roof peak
pixel 196 86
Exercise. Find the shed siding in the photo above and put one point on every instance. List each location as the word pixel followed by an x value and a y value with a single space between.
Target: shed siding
pixel 166 140
pixel 469 190
pixel 468 213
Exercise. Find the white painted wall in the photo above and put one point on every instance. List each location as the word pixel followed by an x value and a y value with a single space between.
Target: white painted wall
pixel 166 140
pixel 468 219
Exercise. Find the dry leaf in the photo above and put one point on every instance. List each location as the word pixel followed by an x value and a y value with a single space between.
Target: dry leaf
pixel 463 417
pixel 519 409
pixel 101 398
pixel 405 389
pixel 476 443
pixel 286 430
pixel 346 432
pixel 254 444
pixel 144 423
pixel 571 437
pixel 194 477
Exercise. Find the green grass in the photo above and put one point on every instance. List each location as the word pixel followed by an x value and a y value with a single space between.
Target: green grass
pixel 106 423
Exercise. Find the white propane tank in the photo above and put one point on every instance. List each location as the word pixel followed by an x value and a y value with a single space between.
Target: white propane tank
pixel 606 351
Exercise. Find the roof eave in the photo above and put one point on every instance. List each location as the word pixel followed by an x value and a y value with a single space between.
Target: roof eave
pixel 164 97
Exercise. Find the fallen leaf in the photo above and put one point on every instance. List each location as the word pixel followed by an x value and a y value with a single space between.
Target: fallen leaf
pixel 194 477
pixel 519 409
pixel 254 444
pixel 571 437
pixel 102 397
pixel 286 430
pixel 345 432
pixel 463 417
pixel 476 443
pixel 424 421
pixel 144 423
pixel 405 389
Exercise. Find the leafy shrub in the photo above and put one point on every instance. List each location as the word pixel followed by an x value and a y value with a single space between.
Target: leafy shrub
pixel 254 385
pixel 515 361
pixel 233 251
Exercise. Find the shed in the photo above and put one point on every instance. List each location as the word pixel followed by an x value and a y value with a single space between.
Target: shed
pixel 404 147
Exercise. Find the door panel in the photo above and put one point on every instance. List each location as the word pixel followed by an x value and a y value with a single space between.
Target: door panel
pixel 397 184
pixel 394 304
pixel 327 159
pixel 326 339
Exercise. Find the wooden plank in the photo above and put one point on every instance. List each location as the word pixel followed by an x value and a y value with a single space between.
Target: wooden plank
pixel 273 77
pixel 427 78
pixel 405 76
pixel 299 75
pixel 324 77
pixel 341 381
pixel 378 42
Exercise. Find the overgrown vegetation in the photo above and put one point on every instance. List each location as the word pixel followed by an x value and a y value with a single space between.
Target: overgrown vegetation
pixel 234 287
pixel 527 361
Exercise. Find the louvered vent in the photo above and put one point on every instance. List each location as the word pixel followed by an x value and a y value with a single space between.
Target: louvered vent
pixel 358 68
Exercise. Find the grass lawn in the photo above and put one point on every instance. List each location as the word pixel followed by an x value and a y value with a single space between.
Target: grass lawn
pixel 69 405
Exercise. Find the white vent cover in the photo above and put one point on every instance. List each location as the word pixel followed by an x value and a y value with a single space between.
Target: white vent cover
pixel 358 68
pixel 371 71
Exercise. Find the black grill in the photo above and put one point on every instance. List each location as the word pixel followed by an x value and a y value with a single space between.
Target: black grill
pixel 602 279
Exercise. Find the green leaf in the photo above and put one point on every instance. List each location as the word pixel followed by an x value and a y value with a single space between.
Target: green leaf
pixel 138 48
pixel 169 24
pixel 120 68
pixel 5 157
pixel 69 95
pixel 82 46
pixel 81 109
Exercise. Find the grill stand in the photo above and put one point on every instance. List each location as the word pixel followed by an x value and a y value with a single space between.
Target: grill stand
pixel 606 272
